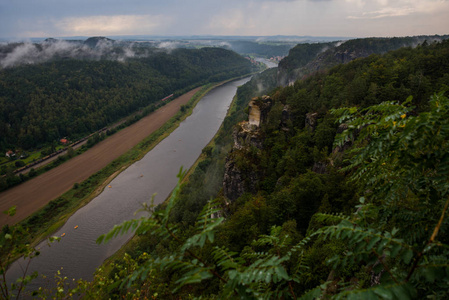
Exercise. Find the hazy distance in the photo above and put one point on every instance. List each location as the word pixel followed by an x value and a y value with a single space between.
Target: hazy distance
pixel 347 18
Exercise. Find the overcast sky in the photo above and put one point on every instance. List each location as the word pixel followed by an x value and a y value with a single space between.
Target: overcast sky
pixel 350 18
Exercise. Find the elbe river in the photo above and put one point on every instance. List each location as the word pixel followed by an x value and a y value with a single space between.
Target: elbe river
pixel 77 254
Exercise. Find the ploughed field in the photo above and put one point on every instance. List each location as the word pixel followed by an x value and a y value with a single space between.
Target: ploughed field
pixel 34 194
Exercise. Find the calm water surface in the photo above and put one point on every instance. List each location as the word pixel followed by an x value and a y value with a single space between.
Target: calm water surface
pixel 77 255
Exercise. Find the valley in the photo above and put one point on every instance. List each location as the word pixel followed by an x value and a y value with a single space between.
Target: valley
pixel 36 193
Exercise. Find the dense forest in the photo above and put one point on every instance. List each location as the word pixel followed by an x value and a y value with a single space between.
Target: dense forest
pixel 352 210
pixel 41 103
pixel 340 192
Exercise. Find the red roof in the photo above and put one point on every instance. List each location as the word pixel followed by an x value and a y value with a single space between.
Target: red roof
pixel 64 141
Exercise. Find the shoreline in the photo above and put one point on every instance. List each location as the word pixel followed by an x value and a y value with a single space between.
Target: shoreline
pixel 103 268
pixel 56 182
pixel 46 227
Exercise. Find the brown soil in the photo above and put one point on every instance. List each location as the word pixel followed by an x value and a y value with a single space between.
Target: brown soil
pixel 34 194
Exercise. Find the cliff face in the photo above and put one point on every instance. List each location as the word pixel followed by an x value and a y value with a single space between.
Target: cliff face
pixel 246 135
pixel 236 181
pixel 259 109
pixel 242 172
pixel 331 57
pixel 239 178
pixel 308 59
pixel 290 68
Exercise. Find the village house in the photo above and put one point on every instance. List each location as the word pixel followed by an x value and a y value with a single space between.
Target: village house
pixel 10 154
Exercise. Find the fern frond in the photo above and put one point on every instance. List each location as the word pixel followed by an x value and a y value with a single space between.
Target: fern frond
pixel 193 274
pixel 265 270
pixel 226 260
pixel 250 256
pixel 206 224
pixel 314 293
pixel 329 219
pixel 401 291
pixel 121 229
pixel 172 201
pixel 363 241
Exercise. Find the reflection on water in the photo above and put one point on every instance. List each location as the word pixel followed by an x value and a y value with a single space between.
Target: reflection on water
pixel 77 253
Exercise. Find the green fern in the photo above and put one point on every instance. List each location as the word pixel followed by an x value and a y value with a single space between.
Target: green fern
pixel 399 159
pixel 401 291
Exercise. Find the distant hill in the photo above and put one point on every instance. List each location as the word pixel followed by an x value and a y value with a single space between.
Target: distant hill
pixel 309 58
pixel 95 41
pixel 94 48
pixel 121 47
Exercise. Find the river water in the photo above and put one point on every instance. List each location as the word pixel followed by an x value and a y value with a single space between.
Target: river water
pixel 77 255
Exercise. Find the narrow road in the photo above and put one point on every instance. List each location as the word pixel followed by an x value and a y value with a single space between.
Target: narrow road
pixel 34 194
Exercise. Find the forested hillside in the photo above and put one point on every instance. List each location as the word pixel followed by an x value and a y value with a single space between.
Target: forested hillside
pixel 307 59
pixel 40 103
pixel 337 188
pixel 341 192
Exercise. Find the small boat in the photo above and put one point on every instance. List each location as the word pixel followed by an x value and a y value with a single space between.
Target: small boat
pixel 63 234
pixel 76 227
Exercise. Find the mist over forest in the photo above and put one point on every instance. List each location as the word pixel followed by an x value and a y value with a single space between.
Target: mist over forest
pixel 122 48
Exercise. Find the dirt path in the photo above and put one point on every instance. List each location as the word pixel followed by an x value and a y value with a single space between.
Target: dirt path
pixel 36 193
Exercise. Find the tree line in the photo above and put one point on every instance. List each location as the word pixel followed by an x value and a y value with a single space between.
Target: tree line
pixel 71 98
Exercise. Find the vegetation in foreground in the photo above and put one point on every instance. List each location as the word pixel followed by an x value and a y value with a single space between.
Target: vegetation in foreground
pixel 374 241
pixel 405 189
pixel 371 224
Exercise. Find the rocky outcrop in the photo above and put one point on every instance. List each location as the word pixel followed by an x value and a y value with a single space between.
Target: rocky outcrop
pixel 311 121
pixel 285 117
pixel 253 113
pixel 346 145
pixel 232 180
pixel 258 110
pixel 338 151
pixel 236 182
pixel 247 135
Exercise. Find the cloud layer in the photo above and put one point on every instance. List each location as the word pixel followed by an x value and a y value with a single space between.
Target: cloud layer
pixel 45 18
pixel 113 25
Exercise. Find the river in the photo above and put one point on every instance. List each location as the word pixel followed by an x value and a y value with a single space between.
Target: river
pixel 77 255
pixel 270 64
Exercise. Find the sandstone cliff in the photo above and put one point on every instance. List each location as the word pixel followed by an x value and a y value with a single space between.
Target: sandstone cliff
pixel 240 176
